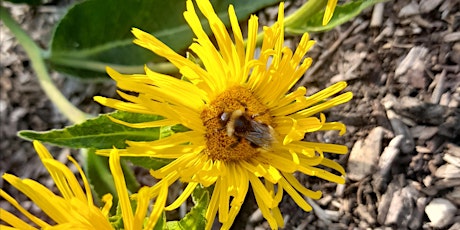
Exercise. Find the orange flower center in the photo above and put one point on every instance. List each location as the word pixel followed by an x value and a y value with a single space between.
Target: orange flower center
pixel 237 125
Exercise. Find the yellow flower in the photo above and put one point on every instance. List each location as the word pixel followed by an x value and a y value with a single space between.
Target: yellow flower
pixel 330 7
pixel 75 209
pixel 246 125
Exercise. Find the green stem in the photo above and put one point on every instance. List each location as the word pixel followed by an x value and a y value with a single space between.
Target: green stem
pixel 34 52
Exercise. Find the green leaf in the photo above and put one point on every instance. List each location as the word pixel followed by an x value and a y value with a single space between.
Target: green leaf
pixel 343 13
pixel 149 162
pixel 161 223
pixel 99 133
pixel 96 33
pixel 196 218
pixel 103 133
pixel 130 179
pixel 156 163
pixel 99 176
pixel 200 196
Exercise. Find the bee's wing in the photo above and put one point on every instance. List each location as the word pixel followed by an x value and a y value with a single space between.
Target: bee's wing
pixel 260 135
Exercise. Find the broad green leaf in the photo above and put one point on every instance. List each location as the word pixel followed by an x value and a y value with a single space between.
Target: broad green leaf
pixel 196 218
pixel 99 132
pixel 342 13
pixel 96 33
pixel 102 133
pixel 149 162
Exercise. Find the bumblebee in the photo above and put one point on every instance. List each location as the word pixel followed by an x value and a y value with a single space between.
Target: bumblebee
pixel 241 125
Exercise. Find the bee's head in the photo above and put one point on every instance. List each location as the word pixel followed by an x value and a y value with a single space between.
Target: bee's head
pixel 224 117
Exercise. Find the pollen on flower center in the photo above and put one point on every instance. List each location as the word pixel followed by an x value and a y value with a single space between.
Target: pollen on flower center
pixel 229 119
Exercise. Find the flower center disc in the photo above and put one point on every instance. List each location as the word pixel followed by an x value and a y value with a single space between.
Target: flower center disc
pixel 227 146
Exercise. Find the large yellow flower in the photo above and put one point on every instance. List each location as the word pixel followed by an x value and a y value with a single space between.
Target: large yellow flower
pixel 246 125
pixel 75 209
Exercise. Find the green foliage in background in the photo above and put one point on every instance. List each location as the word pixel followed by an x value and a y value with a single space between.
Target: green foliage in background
pixel 96 33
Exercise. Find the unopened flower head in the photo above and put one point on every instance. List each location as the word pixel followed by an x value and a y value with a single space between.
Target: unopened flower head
pixel 246 122
pixel 74 208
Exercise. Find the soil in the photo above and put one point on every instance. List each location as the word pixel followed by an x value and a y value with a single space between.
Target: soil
pixel 402 63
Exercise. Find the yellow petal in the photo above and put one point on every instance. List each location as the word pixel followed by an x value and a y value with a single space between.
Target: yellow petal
pixel 122 191
pixel 330 7
pixel 26 213
pixel 183 197
pixel 14 221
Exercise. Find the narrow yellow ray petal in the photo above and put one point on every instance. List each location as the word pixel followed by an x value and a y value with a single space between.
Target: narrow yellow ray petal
pixel 213 205
pixel 54 206
pixel 259 190
pixel 250 45
pixel 238 36
pixel 170 141
pixel 333 165
pixel 157 207
pixel 295 196
pixel 89 195
pixel 331 4
pixel 334 126
pixel 14 221
pixel 299 187
pixel 266 211
pixel 122 191
pixel 276 213
pixel 325 147
pixel 280 37
pixel 288 98
pixel 223 200
pixel 65 180
pixel 142 206
pixel 4 227
pixel 183 197
pixel 279 160
pixel 321 173
pixel 26 213
pixel 124 106
pixel 148 124
pixel 345 97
